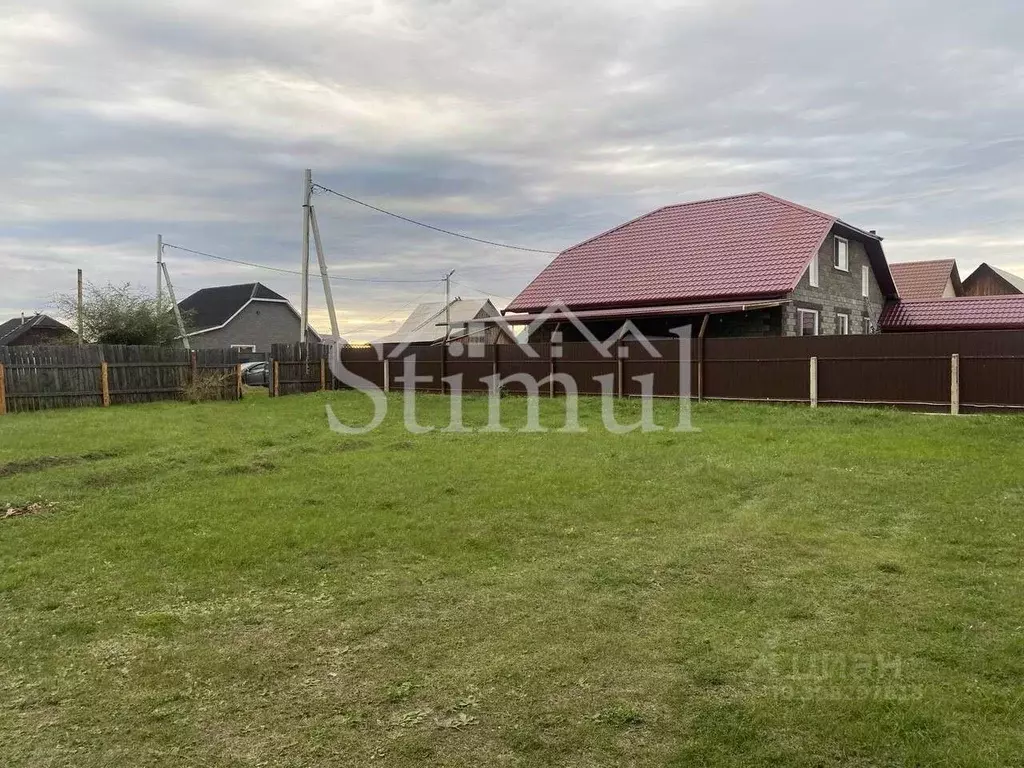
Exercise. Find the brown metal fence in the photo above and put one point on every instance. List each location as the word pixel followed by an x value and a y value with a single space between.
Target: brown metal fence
pixel 42 378
pixel 980 370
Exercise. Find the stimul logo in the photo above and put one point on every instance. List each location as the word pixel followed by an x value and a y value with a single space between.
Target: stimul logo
pixel 403 355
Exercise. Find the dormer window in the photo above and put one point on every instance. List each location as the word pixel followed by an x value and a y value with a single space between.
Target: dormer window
pixel 842 257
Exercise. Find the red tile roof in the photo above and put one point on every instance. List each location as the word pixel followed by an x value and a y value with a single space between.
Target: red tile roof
pixel 748 246
pixel 925 279
pixel 965 313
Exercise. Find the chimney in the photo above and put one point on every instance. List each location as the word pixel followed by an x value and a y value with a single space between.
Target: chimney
pixel 874 232
pixel 22 318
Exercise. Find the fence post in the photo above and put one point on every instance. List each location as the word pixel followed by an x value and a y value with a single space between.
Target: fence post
pixel 3 390
pixel 277 377
pixel 193 366
pixel 551 368
pixel 814 382
pixel 105 384
pixel 954 385
pixel 238 381
pixel 494 360
pixel 323 374
pixel 387 373
pixel 620 368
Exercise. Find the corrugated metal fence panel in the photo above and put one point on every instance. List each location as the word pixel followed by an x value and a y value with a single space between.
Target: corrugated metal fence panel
pixel 897 381
pixel 586 365
pixel 513 360
pixel 897 369
pixel 992 381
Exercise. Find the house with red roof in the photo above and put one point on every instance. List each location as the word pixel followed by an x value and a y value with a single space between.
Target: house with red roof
pixel 747 265
pixel 932 298
pixel 938 279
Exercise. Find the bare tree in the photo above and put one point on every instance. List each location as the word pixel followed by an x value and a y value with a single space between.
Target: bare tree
pixel 121 314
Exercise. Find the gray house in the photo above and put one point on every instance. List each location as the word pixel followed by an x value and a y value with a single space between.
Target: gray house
pixel 248 317
pixel 748 265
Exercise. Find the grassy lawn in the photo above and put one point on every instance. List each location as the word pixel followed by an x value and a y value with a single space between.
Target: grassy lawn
pixel 232 584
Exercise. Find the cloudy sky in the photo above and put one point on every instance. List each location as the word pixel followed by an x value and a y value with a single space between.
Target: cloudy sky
pixel 533 122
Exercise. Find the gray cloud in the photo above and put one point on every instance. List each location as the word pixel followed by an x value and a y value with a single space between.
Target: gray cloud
pixel 539 123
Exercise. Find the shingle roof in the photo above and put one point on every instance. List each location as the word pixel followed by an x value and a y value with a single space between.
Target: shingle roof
pixel 213 307
pixel 964 313
pixel 422 327
pixel 12 329
pixel 925 279
pixel 748 246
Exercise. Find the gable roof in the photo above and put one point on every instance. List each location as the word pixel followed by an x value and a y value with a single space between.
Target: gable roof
pixel 12 329
pixel 421 327
pixel 1012 281
pixel 212 308
pixel 748 246
pixel 962 313
pixel 926 279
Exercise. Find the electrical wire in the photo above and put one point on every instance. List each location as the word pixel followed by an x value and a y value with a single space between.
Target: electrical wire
pixel 431 226
pixel 480 290
pixel 292 271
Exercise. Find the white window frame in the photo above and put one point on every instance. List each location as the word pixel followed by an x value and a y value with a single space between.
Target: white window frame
pixel 812 273
pixel 836 262
pixel 842 324
pixel 867 326
pixel 800 312
pixel 865 281
pixel 251 348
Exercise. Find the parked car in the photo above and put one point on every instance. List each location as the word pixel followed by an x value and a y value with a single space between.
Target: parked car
pixel 256 374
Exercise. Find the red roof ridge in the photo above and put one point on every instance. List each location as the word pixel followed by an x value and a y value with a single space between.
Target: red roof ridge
pixel 689 203
pixel 922 261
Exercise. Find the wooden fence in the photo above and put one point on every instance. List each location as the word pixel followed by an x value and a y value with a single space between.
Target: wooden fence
pixel 954 371
pixel 37 378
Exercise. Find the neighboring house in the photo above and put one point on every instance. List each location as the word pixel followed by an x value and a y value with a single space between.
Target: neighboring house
pixel 248 317
pixel 968 313
pixel 35 330
pixel 987 280
pixel 749 265
pixel 426 325
pixel 938 279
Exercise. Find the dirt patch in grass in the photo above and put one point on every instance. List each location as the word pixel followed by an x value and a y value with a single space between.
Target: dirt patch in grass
pixel 41 463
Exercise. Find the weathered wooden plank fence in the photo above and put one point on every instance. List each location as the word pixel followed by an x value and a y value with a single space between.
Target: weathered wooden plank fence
pixel 952 371
pixel 38 378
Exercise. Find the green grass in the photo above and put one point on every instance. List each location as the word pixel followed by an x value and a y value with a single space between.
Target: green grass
pixel 232 584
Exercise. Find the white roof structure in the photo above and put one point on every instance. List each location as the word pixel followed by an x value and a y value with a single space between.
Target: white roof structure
pixel 426 323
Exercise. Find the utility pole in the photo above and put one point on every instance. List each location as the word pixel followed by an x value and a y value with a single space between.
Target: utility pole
pixel 159 270
pixel 174 303
pixel 322 258
pixel 81 311
pixel 307 194
pixel 448 305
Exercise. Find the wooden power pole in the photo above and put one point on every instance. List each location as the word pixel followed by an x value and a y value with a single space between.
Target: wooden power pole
pixel 81 310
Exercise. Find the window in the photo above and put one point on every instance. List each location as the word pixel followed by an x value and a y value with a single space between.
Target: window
pixel 812 272
pixel 865 282
pixel 842 260
pixel 808 322
pixel 244 347
pixel 842 324
pixel 868 327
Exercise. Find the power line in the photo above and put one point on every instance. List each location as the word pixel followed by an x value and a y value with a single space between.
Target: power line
pixel 480 290
pixel 291 271
pixel 431 226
